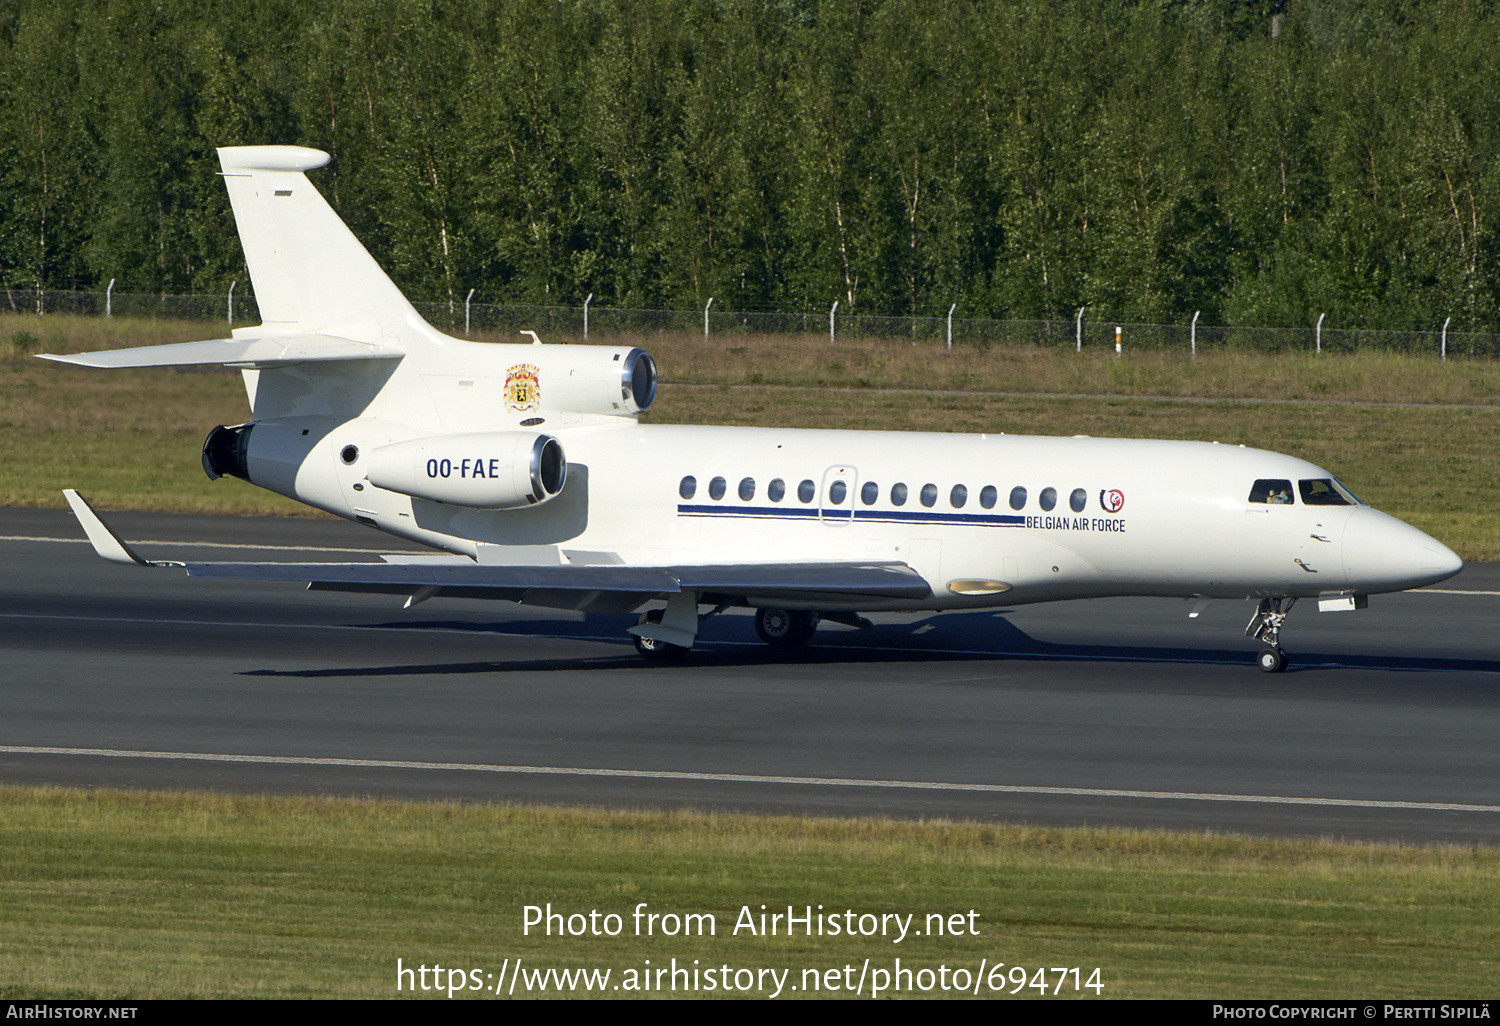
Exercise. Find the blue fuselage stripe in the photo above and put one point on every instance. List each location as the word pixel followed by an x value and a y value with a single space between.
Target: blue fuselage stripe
pixel 877 516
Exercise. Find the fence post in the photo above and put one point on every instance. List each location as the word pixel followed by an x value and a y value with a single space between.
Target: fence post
pixel 705 315
pixel 1444 349
pixel 1193 335
pixel 109 299
pixel 1318 334
pixel 1078 327
pixel 832 310
pixel 950 324
pixel 466 312
pixel 231 304
pixel 586 303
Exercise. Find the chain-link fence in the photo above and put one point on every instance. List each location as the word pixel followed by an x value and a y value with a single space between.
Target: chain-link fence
pixel 125 304
pixel 568 323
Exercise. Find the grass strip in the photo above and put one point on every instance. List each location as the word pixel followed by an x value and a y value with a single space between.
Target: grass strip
pixel 133 895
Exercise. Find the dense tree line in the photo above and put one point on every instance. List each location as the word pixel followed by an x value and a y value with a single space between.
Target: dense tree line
pixel 1260 160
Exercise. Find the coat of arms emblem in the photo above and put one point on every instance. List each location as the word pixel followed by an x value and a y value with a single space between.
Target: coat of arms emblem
pixel 523 388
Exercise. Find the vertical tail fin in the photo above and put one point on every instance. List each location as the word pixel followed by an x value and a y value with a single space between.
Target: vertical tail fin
pixel 310 272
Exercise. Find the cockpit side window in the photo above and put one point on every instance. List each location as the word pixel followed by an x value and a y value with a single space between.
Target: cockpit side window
pixel 1274 491
pixel 1324 491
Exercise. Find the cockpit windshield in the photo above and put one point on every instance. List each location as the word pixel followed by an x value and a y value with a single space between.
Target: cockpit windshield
pixel 1274 491
pixel 1325 491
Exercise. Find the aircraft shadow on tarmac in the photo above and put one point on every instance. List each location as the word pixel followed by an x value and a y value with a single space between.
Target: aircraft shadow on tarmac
pixel 948 637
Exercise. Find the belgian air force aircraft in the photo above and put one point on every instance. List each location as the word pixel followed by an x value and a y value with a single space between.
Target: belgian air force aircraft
pixel 525 466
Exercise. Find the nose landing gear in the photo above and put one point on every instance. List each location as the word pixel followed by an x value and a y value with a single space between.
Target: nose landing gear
pixel 1265 627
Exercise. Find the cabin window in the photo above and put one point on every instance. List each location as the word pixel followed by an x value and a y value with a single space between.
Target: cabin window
pixel 747 489
pixel 689 487
pixel 898 495
pixel 806 491
pixel 987 496
pixel 1078 500
pixel 716 488
pixel 869 492
pixel 929 495
pixel 1048 499
pixel 1324 491
pixel 776 490
pixel 1275 491
pixel 837 492
pixel 1018 497
pixel 958 496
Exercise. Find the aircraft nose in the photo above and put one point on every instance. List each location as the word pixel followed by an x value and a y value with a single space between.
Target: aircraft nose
pixel 1382 553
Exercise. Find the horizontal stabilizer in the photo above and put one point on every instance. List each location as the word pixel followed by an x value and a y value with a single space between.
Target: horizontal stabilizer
pixel 272 351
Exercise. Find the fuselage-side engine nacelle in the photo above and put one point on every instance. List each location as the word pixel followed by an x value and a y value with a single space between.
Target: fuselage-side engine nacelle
pixel 479 470
pixel 492 470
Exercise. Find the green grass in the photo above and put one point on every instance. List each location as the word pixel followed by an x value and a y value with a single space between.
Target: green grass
pixel 186 895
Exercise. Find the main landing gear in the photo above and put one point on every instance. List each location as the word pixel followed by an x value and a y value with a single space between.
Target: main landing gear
pixel 657 651
pixel 785 628
pixel 1265 627
pixel 779 628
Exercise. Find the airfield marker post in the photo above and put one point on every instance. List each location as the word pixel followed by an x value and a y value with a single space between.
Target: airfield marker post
pixel 231 303
pixel 1443 347
pixel 1117 340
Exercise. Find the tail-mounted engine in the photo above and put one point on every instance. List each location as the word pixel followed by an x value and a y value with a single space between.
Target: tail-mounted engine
pixel 544 379
pixel 225 452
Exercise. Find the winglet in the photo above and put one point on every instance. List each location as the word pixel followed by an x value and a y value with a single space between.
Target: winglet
pixel 105 541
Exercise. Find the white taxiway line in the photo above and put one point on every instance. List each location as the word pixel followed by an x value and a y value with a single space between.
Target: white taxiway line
pixel 745 778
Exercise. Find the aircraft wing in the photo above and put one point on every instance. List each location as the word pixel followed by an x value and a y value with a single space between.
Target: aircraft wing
pixel 845 580
pixel 456 576
pixel 268 351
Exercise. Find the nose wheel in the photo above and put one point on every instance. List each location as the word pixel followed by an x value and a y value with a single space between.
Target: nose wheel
pixel 1265 627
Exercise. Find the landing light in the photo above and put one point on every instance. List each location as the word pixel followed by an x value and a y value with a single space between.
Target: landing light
pixel 972 587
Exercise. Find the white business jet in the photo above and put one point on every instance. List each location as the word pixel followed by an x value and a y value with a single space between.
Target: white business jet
pixel 525 466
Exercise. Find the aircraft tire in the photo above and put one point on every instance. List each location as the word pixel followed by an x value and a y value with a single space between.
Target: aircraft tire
pixel 785 628
pixel 1272 660
pixel 657 651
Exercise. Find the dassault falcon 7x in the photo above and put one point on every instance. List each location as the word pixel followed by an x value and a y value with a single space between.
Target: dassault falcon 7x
pixel 525 467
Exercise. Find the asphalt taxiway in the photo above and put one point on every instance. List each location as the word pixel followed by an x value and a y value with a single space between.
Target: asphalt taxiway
pixel 1122 712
